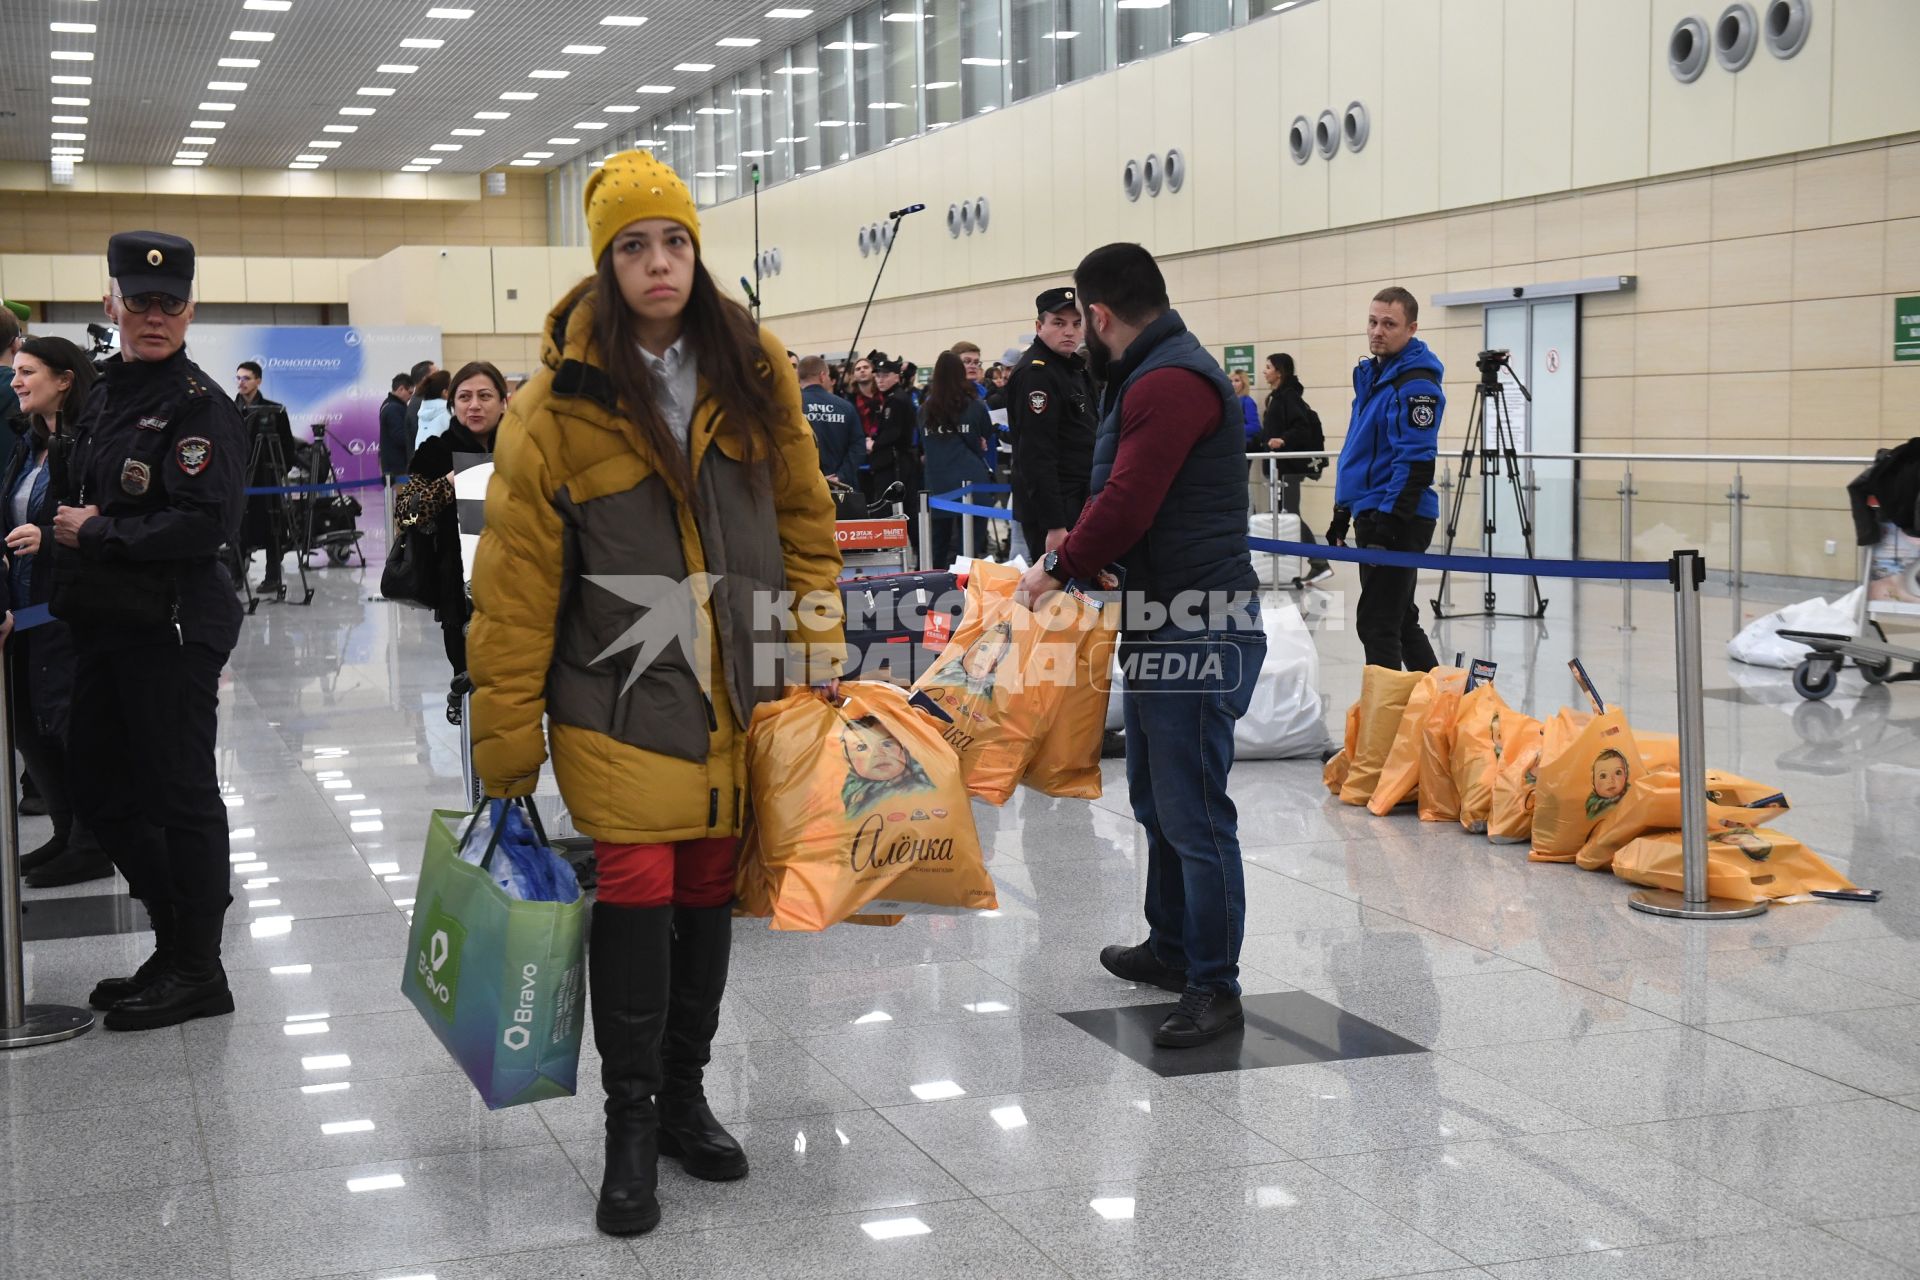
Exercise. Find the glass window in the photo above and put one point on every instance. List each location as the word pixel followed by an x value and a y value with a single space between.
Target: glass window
pixel 833 53
pixel 900 44
pixel 1031 44
pixel 803 115
pixel 1197 19
pixel 1141 33
pixel 867 64
pixel 983 57
pixel 753 99
pixel 940 35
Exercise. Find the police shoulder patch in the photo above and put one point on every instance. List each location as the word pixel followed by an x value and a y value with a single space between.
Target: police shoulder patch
pixel 1423 410
pixel 193 454
pixel 1037 401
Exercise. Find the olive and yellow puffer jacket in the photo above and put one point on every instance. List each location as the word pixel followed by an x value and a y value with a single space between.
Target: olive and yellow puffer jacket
pixel 592 560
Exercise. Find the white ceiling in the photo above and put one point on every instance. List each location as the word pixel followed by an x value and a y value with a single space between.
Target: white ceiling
pixel 154 59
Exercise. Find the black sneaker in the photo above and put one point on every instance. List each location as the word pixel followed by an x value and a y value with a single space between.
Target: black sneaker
pixel 48 852
pixel 75 866
pixel 1202 1016
pixel 1139 964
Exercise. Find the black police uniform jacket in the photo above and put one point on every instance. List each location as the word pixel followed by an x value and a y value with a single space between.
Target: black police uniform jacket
pixel 162 454
pixel 1051 416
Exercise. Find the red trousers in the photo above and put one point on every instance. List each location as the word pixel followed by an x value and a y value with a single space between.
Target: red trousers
pixel 691 873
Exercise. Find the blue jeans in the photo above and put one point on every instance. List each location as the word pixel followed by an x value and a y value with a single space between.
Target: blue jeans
pixel 1179 721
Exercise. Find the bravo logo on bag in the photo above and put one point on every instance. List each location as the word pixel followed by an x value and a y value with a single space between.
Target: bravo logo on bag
pixel 515 1037
pixel 437 966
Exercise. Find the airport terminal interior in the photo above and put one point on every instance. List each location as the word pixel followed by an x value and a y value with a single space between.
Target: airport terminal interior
pixel 1691 226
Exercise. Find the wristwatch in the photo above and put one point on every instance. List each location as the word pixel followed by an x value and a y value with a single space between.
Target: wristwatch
pixel 1050 565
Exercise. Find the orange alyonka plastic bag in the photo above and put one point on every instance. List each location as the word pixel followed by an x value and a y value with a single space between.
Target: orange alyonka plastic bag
pixel 1400 775
pixel 1439 798
pixel 999 680
pixel 1652 804
pixel 1334 773
pixel 1067 760
pixel 1476 728
pixel 1510 819
pixel 1744 863
pixel 858 810
pixel 1383 699
pixel 1580 783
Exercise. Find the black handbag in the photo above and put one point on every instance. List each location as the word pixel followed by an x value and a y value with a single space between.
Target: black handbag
pixel 411 575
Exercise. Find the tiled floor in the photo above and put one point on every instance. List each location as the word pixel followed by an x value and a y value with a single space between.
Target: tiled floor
pixel 1606 1094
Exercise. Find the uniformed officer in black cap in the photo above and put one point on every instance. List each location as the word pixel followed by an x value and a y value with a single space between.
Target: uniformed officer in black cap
pixel 1050 414
pixel 154 492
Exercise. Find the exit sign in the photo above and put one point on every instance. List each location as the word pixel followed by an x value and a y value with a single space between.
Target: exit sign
pixel 1240 359
pixel 1906 328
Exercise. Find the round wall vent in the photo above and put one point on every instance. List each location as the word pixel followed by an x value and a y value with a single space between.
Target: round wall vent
pixel 1786 26
pixel 779 260
pixel 1687 49
pixel 953 221
pixel 1300 140
pixel 1150 169
pixel 1357 125
pixel 1131 179
pixel 1176 165
pixel 883 234
pixel 980 211
pixel 966 216
pixel 1326 134
pixel 1736 36
pixel 866 246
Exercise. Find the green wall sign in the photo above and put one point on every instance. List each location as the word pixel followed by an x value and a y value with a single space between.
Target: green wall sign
pixel 1241 358
pixel 1906 329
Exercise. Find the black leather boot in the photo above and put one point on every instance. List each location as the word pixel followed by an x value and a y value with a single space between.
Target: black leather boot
pixel 193 985
pixel 111 991
pixel 31 862
pixel 628 953
pixel 702 943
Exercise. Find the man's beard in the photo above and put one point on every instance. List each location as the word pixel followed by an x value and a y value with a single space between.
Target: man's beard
pixel 1099 358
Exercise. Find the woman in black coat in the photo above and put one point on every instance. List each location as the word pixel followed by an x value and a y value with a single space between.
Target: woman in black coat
pixel 51 376
pixel 1291 426
pixel 477 395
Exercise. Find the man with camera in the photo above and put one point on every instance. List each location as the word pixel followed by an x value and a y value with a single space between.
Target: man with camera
pixel 155 492
pixel 270 434
pixel 1383 487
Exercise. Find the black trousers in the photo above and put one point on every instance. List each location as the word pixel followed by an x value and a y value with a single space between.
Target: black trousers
pixel 44 754
pixel 1387 620
pixel 1290 505
pixel 143 726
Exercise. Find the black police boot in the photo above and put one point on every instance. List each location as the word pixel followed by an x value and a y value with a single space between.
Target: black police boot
pixel 629 951
pixel 1139 964
pixel 1202 1016
pixel 76 864
pixel 111 991
pixel 32 862
pixel 192 986
pixel 702 943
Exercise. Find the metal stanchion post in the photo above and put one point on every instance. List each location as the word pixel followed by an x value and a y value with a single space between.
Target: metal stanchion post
pixel 926 536
pixel 386 489
pixel 1446 504
pixel 21 1024
pixel 1687 571
pixel 1273 517
pixel 1737 496
pixel 1626 545
pixel 966 530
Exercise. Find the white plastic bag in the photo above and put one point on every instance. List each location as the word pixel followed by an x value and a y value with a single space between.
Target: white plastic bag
pixel 1759 643
pixel 1265 562
pixel 1286 719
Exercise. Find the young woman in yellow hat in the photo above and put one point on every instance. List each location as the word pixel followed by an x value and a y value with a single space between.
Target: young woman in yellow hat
pixel 656 487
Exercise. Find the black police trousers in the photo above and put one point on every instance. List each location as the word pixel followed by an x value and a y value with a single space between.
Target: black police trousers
pixel 141 739
pixel 1387 620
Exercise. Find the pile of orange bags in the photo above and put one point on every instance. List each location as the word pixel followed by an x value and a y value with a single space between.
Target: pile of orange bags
pixel 859 814
pixel 1023 692
pixel 1400 775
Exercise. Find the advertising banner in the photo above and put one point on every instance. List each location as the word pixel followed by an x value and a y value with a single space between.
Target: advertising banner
pixel 331 374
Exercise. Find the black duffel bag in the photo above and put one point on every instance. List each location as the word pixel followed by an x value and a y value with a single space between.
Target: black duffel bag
pixel 412 573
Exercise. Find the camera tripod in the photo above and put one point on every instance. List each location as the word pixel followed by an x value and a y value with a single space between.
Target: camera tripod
pixel 280 533
pixel 1496 448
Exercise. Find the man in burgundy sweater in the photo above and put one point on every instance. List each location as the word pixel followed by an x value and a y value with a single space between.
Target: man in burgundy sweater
pixel 1168 507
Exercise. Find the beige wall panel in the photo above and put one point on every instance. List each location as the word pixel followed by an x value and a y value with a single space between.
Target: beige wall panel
pixel 1608 222
pixel 1255 147
pixel 1471 60
pixel 269 280
pixel 1903 180
pixel 460 288
pixel 1747 339
pixel 1356 72
pixel 1781 106
pixel 1610 87
pixel 1607 346
pixel 1876 46
pixel 1537 102
pixel 1753 202
pixel 1752 269
pixel 1469 241
pixel 1406 119
pixel 1135 133
pixel 1100 144
pixel 26 275
pixel 1667 409
pixel 524 273
pixel 991 145
pixel 1671 279
pixel 1556 229
pixel 1839 262
pixel 403 186
pixel 1216 144
pixel 1028 192
pixel 218 279
pixel 1606 408
pixel 1830 404
pixel 1748 406
pixel 315 280
pixel 1841 333
pixel 78 277
pixel 1902 257
pixel 1673 212
pixel 1899 392
pixel 1834 190
pixel 1304 67
pixel 1672 342
pixel 1174 126
pixel 1690 126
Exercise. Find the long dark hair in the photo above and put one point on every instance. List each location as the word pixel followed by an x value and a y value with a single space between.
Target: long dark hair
pixel 949 391
pixel 725 342
pixel 63 356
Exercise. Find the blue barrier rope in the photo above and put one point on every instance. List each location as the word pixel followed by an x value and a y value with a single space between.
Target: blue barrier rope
pixel 334 487
pixel 949 502
pixel 1617 570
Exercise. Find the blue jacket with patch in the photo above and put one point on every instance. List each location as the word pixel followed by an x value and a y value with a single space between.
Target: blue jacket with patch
pixel 1386 463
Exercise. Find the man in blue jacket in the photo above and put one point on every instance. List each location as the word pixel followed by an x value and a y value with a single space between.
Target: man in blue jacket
pixel 396 439
pixel 1384 486
pixel 835 422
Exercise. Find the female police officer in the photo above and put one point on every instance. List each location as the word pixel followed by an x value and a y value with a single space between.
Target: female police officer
pixel 155 489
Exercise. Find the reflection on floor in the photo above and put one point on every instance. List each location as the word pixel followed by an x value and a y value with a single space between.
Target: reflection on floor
pixel 1605 1094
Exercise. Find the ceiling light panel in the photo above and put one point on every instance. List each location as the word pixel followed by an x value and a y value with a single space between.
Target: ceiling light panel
pixel 621 20
pixel 269 6
pixel 240 63
pixel 255 37
pixel 585 50
pixel 396 69
pixel 455 15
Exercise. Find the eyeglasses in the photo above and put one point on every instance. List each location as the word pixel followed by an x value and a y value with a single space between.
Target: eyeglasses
pixel 140 303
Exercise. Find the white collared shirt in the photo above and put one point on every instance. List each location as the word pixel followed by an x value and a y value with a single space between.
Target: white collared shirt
pixel 676 383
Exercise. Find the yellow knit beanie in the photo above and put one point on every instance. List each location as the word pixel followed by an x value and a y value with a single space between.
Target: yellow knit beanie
pixel 632 185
